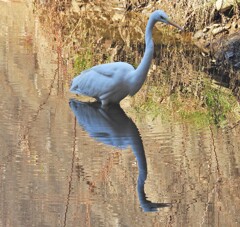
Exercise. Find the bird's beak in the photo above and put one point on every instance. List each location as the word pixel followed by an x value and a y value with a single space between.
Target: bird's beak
pixel 174 24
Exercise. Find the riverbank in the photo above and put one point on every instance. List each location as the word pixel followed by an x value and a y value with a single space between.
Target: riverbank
pixel 181 78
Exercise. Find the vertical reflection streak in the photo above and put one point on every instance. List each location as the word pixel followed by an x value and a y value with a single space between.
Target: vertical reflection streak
pixel 71 174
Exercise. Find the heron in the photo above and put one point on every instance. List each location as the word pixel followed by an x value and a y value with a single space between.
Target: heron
pixel 111 82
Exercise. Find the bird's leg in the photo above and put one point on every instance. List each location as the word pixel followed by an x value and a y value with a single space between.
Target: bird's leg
pixel 97 99
pixel 104 104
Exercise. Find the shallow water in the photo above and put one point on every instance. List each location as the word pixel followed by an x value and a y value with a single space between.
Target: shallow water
pixel 69 163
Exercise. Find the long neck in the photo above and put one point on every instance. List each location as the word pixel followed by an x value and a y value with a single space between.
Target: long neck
pixel 140 73
pixel 138 150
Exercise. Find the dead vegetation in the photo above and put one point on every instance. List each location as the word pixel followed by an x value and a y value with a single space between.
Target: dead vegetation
pixel 90 33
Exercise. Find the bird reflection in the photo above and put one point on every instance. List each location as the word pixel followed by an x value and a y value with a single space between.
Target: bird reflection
pixel 113 127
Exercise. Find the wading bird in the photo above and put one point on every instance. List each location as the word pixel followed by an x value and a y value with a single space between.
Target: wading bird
pixel 112 82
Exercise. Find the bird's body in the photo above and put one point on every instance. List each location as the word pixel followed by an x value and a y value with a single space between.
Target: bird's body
pixel 112 82
pixel 112 77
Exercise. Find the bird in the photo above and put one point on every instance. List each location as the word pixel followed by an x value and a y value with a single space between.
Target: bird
pixel 109 83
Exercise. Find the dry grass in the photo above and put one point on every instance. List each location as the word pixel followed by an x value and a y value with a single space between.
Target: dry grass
pixel 94 35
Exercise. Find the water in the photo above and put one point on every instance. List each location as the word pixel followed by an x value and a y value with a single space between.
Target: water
pixel 74 164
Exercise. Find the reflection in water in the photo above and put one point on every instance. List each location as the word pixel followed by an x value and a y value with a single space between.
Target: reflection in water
pixel 48 179
pixel 113 127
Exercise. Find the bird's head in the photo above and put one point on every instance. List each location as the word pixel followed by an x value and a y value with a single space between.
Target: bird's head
pixel 161 16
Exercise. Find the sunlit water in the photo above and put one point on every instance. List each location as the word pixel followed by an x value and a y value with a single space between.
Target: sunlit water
pixel 68 163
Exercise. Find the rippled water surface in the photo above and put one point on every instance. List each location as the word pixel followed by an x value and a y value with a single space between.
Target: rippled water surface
pixel 69 163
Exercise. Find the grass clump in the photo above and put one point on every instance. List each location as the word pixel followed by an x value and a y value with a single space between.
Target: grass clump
pixel 215 105
pixel 219 103
pixel 82 61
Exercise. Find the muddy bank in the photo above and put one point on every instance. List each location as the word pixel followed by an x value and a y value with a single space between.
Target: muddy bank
pixel 220 40
pixel 87 34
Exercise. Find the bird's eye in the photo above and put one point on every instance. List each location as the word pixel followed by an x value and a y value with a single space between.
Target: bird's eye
pixel 162 17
